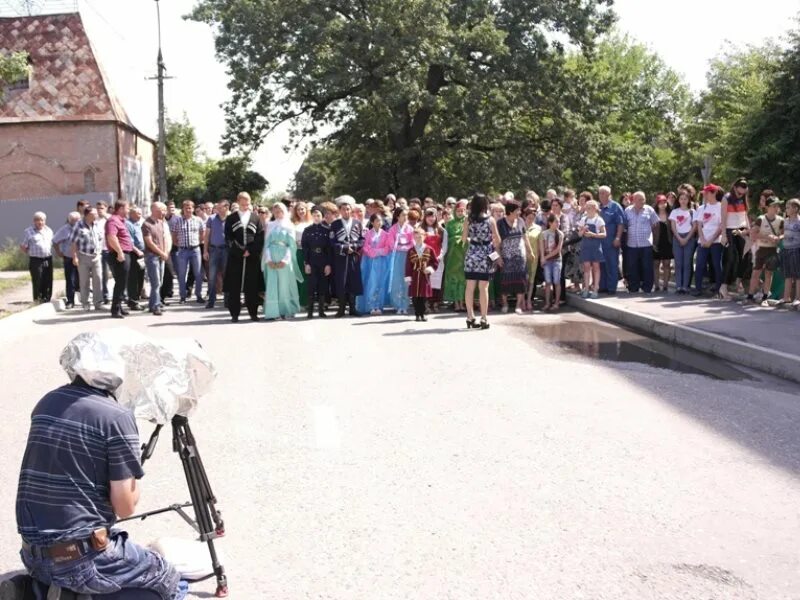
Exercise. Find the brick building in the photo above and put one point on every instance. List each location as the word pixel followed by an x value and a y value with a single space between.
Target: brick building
pixel 63 133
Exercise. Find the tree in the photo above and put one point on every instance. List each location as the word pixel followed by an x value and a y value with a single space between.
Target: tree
pixel 186 165
pixel 192 175
pixel 738 85
pixel 628 112
pixel 227 177
pixel 12 68
pixel 771 147
pixel 427 92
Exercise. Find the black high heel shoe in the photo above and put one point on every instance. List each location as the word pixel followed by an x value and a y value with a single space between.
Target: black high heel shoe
pixel 471 324
pixel 484 324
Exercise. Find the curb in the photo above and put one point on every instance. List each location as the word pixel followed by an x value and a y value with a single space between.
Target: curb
pixel 16 324
pixel 762 359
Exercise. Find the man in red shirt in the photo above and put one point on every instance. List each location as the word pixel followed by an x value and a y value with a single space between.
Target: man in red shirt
pixel 120 247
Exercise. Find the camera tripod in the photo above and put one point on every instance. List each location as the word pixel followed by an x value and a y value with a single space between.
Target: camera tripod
pixel 208 520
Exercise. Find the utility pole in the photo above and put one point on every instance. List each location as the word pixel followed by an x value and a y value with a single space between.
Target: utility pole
pixel 162 142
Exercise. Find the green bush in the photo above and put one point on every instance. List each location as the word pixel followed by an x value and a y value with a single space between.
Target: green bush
pixel 12 258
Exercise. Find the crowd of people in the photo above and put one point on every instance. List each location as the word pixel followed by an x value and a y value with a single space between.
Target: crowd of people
pixel 415 254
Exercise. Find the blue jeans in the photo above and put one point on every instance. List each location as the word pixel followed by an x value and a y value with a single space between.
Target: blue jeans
pixel 190 257
pixel 122 564
pixel 640 269
pixel 155 275
pixel 552 272
pixel 683 262
pixel 716 261
pixel 71 277
pixel 217 259
pixel 609 270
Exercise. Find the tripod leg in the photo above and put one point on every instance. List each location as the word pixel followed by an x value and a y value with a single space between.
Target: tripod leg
pixel 203 500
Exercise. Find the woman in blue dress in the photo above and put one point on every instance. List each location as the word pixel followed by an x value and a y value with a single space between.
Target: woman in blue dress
pixel 374 268
pixel 281 271
pixel 592 230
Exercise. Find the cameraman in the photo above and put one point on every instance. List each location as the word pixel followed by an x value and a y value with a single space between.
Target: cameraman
pixel 79 473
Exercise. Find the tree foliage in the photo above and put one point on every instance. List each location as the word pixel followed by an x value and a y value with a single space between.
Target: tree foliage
pixel 192 175
pixel 186 164
pixel 627 119
pixel 738 83
pixel 772 146
pixel 12 68
pixel 424 94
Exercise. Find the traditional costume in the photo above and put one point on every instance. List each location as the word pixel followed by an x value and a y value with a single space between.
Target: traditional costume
pixel 437 241
pixel 421 264
pixel 347 239
pixel 318 256
pixel 402 240
pixel 455 285
pixel 282 298
pixel 375 271
pixel 243 234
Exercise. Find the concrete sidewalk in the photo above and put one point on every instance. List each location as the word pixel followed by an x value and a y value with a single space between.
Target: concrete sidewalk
pixel 753 336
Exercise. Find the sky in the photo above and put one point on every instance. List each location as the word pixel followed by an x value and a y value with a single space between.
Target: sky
pixel 124 33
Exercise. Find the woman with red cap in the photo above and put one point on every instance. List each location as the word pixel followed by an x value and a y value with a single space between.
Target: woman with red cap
pixel 662 244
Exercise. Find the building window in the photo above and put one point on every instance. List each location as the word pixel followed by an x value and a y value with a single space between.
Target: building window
pixel 88 180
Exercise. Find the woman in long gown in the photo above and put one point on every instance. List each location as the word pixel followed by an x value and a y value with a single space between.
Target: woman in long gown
pixel 454 282
pixel 533 231
pixel 374 268
pixel 281 270
pixel 436 238
pixel 402 240
pixel 301 218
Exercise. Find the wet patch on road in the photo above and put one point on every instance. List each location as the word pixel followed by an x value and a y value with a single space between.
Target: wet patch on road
pixel 601 341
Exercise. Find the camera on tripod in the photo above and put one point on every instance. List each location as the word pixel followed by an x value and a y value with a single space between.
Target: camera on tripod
pixel 161 381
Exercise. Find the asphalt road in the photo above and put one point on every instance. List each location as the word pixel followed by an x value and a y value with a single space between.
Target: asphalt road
pixel 380 458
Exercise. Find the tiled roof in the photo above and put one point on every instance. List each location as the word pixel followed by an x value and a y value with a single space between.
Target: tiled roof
pixel 67 83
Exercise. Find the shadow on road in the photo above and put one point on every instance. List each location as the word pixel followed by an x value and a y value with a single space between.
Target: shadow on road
pixel 422 332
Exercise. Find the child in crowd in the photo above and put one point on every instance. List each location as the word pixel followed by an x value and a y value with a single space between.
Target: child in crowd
pixel 684 241
pixel 790 256
pixel 592 231
pixel 770 232
pixel 421 263
pixel 550 244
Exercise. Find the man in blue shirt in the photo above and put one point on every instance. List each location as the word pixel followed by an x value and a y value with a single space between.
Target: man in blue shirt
pixel 62 244
pixel 136 274
pixel 614 218
pixel 216 252
pixel 81 471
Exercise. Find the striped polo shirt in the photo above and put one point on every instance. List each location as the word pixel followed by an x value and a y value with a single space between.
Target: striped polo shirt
pixel 80 440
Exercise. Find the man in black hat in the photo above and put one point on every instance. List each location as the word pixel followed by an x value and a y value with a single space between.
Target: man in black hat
pixel 347 239
pixel 317 257
pixel 244 235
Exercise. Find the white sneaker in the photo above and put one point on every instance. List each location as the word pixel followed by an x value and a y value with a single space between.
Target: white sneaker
pixel 518 311
pixel 504 310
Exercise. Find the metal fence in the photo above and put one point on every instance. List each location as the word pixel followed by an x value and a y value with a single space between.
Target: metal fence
pixel 16 215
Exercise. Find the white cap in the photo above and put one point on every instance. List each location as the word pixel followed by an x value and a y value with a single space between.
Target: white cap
pixel 342 200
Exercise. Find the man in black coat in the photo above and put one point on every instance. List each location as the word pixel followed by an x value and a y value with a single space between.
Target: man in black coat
pixel 317 257
pixel 244 236
pixel 347 240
